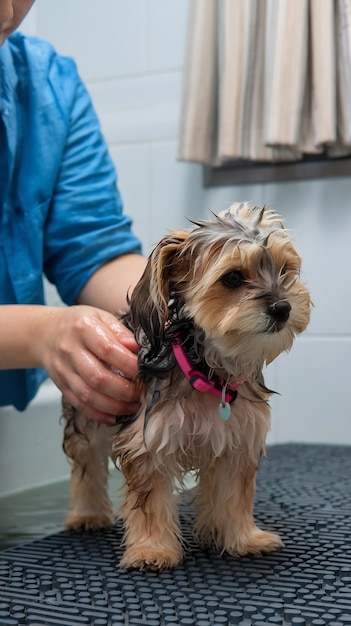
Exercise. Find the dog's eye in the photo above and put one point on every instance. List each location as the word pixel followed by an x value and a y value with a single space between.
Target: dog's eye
pixel 233 279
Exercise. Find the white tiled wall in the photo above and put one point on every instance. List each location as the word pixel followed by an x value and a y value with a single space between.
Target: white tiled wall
pixel 131 54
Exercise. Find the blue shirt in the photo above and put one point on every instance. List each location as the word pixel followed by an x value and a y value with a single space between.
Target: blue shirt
pixel 60 210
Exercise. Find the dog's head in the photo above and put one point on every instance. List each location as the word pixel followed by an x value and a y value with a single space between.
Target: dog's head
pixel 235 279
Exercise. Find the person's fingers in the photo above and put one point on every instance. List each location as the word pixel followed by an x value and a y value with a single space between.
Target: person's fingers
pixel 106 344
pixel 110 419
pixel 125 335
pixel 90 356
pixel 95 375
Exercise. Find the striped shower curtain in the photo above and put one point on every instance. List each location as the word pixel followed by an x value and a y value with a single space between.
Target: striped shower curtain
pixel 266 81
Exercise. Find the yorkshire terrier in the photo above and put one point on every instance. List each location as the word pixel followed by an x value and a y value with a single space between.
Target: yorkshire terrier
pixel 215 303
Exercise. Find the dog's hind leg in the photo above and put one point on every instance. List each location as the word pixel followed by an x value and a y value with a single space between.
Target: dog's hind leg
pixel 87 444
pixel 152 534
pixel 225 501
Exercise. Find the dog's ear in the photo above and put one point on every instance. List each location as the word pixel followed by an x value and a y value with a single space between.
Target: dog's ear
pixel 166 267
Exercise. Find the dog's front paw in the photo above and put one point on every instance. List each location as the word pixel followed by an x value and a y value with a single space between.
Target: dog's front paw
pixel 151 558
pixel 258 541
pixel 77 522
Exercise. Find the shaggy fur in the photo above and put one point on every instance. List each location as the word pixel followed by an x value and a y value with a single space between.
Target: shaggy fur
pixel 230 288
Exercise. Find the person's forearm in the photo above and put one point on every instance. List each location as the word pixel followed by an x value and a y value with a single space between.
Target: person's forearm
pixel 108 287
pixel 20 328
pixel 75 345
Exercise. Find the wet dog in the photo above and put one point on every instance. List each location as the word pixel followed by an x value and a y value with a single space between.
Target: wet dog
pixel 215 304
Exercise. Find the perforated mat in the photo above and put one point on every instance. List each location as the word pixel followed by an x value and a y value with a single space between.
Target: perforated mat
pixel 304 493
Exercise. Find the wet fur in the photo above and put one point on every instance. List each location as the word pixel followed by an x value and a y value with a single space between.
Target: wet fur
pixel 234 331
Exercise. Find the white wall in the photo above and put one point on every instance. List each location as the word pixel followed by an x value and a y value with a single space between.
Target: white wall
pixel 131 54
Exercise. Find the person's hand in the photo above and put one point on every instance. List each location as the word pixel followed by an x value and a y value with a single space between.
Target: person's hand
pixel 90 356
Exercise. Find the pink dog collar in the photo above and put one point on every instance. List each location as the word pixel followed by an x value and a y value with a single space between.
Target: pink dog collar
pixel 199 380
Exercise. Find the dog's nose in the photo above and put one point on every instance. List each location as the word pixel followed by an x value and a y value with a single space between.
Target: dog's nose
pixel 280 310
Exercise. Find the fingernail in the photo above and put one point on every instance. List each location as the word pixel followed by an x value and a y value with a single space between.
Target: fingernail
pixel 111 420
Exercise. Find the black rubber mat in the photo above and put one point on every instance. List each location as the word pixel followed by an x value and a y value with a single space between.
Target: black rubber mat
pixel 304 493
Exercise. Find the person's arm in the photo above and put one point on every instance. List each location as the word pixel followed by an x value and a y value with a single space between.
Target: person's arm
pixel 110 284
pixel 91 255
pixel 73 344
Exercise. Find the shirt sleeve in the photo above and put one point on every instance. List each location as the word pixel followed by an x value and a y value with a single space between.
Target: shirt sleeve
pixel 86 226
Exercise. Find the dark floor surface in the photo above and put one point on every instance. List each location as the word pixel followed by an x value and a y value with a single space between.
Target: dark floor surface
pixel 37 512
pixel 70 579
